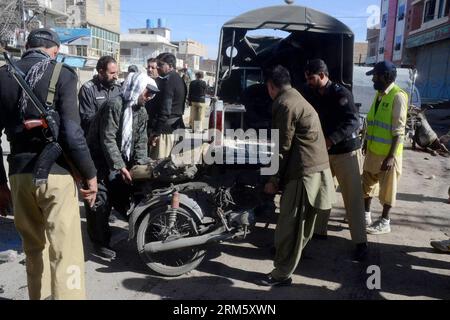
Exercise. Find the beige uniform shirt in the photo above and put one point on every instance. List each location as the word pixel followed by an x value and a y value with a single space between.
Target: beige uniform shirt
pixel 373 162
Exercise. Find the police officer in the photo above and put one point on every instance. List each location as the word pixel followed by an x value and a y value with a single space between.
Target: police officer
pixel 340 123
pixel 47 217
pixel 93 94
pixel 97 91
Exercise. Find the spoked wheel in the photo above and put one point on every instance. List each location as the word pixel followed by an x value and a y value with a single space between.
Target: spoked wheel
pixel 156 226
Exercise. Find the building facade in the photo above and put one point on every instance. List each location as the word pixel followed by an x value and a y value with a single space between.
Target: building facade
pixel 102 18
pixel 373 40
pixel 139 45
pixel 360 53
pixel 394 14
pixel 191 52
pixel 428 46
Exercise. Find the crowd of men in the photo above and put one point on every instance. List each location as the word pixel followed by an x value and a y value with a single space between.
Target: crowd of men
pixel 318 140
pixel 116 127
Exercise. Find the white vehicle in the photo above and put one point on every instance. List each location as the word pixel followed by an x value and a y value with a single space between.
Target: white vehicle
pixel 364 93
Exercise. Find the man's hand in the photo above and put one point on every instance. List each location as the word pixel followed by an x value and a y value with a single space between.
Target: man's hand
pixel 388 163
pixel 270 188
pixel 90 193
pixel 5 200
pixel 126 176
pixel 153 141
pixel 364 148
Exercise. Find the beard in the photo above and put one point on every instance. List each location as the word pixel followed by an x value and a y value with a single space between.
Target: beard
pixel 378 85
pixel 110 83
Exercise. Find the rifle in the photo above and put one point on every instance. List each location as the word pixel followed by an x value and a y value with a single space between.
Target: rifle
pixel 49 122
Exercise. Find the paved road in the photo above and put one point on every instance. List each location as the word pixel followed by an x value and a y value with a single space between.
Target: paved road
pixel 410 269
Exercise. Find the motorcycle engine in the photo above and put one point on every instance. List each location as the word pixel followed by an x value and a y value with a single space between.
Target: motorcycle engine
pixel 241 219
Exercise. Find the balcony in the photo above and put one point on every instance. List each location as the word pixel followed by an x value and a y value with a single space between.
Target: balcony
pixel 55 8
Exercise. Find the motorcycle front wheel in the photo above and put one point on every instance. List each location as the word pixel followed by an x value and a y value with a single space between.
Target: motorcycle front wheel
pixel 155 227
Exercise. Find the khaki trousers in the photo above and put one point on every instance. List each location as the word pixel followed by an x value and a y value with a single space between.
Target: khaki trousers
pixel 346 169
pixel 163 147
pixel 295 227
pixel 48 221
pixel 384 183
pixel 197 116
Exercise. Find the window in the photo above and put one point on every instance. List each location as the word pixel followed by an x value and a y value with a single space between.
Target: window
pixel 447 8
pixel 443 8
pixel 401 12
pixel 81 51
pixel 101 7
pixel 381 51
pixel 384 20
pixel 398 43
pixel 430 8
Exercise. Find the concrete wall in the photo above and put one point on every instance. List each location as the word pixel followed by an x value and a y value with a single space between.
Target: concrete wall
pixel 192 47
pixel 360 52
pixel 104 14
pixel 140 54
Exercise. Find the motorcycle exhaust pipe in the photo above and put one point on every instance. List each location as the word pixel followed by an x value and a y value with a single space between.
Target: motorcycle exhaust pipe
pixel 160 246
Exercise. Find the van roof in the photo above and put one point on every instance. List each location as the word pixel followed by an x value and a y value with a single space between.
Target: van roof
pixel 289 18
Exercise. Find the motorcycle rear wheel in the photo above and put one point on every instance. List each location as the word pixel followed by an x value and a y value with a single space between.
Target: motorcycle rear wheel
pixel 153 227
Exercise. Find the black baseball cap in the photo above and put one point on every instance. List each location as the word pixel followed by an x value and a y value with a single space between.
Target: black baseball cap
pixel 44 34
pixel 382 67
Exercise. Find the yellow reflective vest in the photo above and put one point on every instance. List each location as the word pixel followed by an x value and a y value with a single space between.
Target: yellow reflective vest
pixel 379 125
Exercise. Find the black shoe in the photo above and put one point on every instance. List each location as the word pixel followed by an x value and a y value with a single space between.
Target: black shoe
pixel 104 252
pixel 361 251
pixel 319 237
pixel 270 281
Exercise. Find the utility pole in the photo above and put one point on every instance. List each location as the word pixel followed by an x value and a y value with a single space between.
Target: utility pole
pixel 21 9
pixel 186 54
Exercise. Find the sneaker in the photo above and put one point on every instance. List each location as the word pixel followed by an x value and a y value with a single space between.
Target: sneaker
pixel 379 227
pixel 442 246
pixel 104 252
pixel 368 219
pixel 270 281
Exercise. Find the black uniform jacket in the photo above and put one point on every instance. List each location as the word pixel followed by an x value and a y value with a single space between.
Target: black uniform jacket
pixel 27 145
pixel 338 115
pixel 93 94
pixel 166 110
